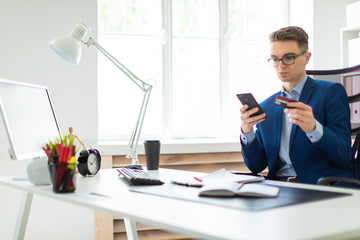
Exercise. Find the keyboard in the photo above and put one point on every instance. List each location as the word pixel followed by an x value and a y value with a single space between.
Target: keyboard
pixel 139 177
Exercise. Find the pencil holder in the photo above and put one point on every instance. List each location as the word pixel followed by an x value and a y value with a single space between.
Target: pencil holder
pixel 62 177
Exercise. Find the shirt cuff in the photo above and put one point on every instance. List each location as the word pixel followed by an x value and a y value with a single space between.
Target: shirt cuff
pixel 317 134
pixel 247 138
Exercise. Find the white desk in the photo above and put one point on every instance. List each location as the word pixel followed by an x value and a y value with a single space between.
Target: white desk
pixel 327 219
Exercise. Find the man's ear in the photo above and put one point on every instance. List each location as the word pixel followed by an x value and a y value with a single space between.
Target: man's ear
pixel 308 56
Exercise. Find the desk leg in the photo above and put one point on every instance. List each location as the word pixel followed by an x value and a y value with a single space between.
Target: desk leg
pixel 130 226
pixel 23 216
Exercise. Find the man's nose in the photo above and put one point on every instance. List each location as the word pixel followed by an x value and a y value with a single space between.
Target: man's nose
pixel 281 64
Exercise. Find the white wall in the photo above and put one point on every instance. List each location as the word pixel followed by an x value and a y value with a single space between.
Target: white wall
pixel 301 14
pixel 26 27
pixel 323 20
pixel 329 18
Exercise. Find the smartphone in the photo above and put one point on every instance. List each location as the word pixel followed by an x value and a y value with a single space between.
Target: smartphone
pixel 248 98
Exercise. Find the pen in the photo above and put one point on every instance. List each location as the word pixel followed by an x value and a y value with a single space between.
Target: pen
pixel 188 184
pixel 197 179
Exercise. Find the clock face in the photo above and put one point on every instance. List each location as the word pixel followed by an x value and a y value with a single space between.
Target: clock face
pixel 89 162
pixel 93 164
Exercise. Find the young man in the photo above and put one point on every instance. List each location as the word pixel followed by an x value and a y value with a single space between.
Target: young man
pixel 310 139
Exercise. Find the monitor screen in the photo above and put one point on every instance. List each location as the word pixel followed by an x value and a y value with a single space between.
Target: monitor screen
pixel 29 118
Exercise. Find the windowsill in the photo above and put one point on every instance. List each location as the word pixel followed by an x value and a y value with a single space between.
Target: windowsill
pixel 175 146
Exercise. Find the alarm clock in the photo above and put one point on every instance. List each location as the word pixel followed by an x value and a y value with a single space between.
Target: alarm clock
pixel 89 162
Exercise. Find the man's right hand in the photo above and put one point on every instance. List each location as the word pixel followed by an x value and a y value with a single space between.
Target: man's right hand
pixel 247 122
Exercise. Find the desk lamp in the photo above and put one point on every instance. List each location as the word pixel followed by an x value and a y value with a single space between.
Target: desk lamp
pixel 69 48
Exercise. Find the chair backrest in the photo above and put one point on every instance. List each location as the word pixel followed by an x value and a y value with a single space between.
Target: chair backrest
pixel 333 73
pixel 340 75
pixel 355 147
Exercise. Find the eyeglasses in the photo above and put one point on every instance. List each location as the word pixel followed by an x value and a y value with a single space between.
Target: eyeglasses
pixel 287 60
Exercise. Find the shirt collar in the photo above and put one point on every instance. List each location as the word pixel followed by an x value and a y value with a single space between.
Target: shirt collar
pixel 298 88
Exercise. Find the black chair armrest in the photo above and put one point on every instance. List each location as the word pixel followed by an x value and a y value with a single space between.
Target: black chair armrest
pixel 331 181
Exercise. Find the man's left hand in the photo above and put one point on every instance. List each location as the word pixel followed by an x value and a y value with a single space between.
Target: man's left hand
pixel 301 115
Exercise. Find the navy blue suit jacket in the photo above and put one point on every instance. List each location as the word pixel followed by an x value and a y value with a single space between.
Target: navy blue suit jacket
pixel 330 156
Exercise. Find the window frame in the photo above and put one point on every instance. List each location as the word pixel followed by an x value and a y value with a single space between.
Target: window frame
pixel 204 145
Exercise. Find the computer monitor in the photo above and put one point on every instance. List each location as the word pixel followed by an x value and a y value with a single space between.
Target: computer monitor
pixel 29 118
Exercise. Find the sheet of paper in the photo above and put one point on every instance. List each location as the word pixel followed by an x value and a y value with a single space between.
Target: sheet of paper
pixel 223 175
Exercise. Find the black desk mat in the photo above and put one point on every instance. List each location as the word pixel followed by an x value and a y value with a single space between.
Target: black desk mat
pixel 287 196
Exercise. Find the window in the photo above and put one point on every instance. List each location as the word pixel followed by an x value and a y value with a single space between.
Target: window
pixel 200 53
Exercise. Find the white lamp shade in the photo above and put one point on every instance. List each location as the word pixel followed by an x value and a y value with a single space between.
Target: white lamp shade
pixel 67 47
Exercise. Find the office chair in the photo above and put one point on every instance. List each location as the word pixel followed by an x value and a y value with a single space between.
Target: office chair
pixel 336 75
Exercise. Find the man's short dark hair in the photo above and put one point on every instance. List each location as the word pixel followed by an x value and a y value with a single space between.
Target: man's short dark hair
pixel 291 33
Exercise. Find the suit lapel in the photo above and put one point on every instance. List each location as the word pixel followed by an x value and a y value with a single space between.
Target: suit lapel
pixel 304 97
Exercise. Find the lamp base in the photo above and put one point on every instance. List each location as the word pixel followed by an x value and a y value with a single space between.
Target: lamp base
pixel 38 172
pixel 134 166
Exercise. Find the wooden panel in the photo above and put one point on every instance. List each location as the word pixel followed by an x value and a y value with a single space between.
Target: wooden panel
pixel 106 162
pixel 202 162
pixel 153 235
pixel 144 231
pixel 119 226
pixel 104 225
pixel 169 160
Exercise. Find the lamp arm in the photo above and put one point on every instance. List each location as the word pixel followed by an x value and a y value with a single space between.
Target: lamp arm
pixel 140 83
pixel 134 139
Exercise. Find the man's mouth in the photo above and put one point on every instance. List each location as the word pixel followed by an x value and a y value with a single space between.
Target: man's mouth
pixel 283 74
